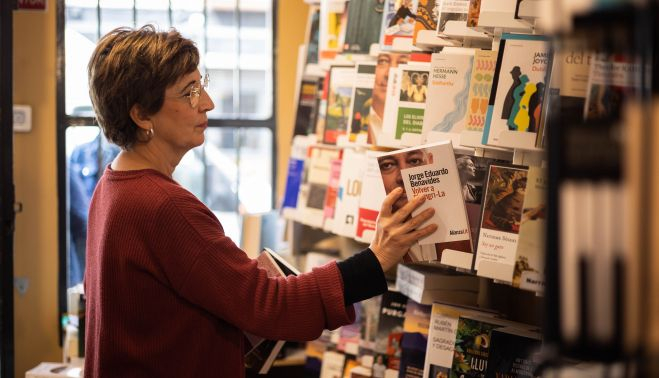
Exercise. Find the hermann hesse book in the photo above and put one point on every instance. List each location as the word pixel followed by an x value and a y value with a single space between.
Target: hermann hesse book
pixel 430 170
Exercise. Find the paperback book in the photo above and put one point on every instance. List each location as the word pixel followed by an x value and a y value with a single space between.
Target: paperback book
pixel 263 352
pixel 362 102
pixel 313 29
pixel 415 339
pixel 318 174
pixel 515 105
pixel 397 22
pixel 349 193
pixel 390 331
pixel 363 29
pixel 613 78
pixel 406 103
pixel 430 171
pixel 307 106
pixel 386 62
pixel 529 263
pixel 370 201
pixel 513 353
pixel 294 176
pixel 339 100
pixel 451 11
pixel 426 16
pixel 332 193
pixel 500 221
pixel 472 346
pixel 480 89
pixel 448 92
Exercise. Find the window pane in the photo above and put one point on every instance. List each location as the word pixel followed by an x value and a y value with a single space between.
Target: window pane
pixel 152 12
pixel 87 154
pixel 255 94
pixel 116 13
pixel 231 173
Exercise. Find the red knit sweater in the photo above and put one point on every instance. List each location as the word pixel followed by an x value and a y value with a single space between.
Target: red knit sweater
pixel 168 293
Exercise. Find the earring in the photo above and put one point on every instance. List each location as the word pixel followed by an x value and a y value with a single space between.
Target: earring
pixel 149 133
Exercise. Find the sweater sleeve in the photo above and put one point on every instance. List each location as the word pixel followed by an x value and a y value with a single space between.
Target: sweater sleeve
pixel 363 277
pixel 207 269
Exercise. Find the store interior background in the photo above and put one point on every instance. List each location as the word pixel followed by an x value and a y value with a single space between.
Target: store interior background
pixel 36 330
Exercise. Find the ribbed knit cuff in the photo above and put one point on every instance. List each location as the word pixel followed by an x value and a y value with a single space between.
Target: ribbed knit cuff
pixel 363 277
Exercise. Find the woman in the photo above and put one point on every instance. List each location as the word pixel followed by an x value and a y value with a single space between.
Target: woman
pixel 467 171
pixel 168 294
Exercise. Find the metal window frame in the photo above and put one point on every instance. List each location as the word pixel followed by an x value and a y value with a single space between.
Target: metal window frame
pixel 64 121
pixel 7 196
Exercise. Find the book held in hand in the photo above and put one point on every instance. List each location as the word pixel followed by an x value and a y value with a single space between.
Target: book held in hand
pixel 263 352
pixel 430 170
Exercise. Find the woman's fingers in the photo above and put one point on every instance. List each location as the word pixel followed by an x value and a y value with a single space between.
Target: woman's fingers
pixel 389 201
pixel 404 212
pixel 417 220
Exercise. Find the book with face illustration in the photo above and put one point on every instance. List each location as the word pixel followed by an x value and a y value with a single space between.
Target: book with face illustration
pixel 501 218
pixel 430 170
pixel 518 91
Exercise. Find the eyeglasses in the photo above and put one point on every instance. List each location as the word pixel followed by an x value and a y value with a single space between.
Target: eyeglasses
pixel 195 91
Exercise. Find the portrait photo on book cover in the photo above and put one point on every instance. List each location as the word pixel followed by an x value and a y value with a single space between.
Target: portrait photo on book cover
pixel 391 166
pixel 414 86
pixel 504 199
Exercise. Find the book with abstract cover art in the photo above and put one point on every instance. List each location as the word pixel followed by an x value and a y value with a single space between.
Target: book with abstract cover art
pixel 397 21
pixel 426 16
pixel 415 339
pixel 501 218
pixel 529 263
pixel 448 91
pixel 363 29
pixel 480 89
pixel 370 201
pixel 307 106
pixel 512 353
pixel 613 78
pixel 362 100
pixel 515 106
pixel 430 170
pixel 339 100
pixel 403 123
pixel 349 193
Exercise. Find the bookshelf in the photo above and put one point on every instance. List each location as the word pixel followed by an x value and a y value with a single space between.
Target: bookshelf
pixel 552 147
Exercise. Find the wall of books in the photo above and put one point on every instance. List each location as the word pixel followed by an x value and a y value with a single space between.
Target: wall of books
pixel 522 123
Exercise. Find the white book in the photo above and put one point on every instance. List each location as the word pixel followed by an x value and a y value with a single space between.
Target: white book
pixel 529 263
pixel 428 297
pixel 430 170
pixel 435 278
pixel 405 107
pixel 371 198
pixel 448 92
pixel 515 106
pixel 500 221
pixel 318 175
pixel 349 193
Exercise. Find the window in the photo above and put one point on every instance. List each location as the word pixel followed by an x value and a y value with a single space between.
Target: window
pixel 235 39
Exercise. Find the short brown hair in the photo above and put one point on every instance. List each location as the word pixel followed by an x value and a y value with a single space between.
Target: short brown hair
pixel 135 66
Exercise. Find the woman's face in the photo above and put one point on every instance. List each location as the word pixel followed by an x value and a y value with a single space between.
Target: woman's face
pixel 177 126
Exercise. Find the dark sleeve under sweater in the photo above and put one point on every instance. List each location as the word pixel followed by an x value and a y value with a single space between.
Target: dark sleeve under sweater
pixel 363 277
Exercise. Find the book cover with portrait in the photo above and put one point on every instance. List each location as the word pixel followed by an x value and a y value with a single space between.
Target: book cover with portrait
pixel 430 170
pixel 500 221
pixel 515 106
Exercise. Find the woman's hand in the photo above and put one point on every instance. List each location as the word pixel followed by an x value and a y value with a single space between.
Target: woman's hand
pixel 396 232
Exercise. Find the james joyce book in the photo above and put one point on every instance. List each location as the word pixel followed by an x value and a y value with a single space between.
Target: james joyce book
pixel 515 105
pixel 430 170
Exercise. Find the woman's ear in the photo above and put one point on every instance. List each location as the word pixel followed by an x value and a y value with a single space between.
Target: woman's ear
pixel 141 119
